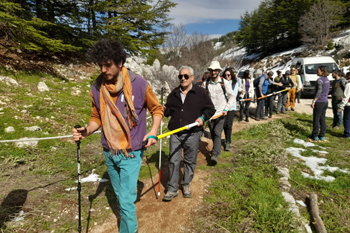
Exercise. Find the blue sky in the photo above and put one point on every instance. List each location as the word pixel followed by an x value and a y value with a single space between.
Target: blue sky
pixel 212 17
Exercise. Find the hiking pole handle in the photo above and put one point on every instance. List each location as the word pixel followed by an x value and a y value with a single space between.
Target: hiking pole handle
pixel 84 131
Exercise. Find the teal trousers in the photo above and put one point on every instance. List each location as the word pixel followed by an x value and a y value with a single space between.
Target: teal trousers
pixel 124 172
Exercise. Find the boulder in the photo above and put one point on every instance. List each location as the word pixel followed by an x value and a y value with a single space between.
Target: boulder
pixel 42 87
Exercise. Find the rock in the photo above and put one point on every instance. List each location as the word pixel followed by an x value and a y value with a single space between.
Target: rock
pixel 292 204
pixel 284 184
pixel 9 129
pixel 24 111
pixel 42 87
pixel 33 128
pixel 31 143
pixel 283 172
pixel 8 81
pixel 75 91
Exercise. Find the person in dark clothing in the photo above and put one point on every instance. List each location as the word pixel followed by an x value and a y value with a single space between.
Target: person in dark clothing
pixel 269 100
pixel 206 75
pixel 338 86
pixel 320 104
pixel 264 81
pixel 186 104
pixel 345 106
pixel 282 96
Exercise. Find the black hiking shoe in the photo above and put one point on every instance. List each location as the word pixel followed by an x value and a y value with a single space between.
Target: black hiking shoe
pixel 170 195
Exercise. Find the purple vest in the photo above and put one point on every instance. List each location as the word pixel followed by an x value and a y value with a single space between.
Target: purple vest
pixel 325 89
pixel 139 86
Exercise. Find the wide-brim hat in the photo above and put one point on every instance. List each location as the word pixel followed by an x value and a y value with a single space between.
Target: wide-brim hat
pixel 214 65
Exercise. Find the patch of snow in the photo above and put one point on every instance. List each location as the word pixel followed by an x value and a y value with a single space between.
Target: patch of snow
pixel 313 163
pixel 319 151
pixel 93 178
pixel 33 128
pixel 70 189
pixel 217 45
pixel 302 142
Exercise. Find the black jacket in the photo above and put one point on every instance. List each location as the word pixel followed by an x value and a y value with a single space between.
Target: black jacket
pixel 197 103
pixel 286 81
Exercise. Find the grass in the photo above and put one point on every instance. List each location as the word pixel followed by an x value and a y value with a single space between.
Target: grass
pixel 245 196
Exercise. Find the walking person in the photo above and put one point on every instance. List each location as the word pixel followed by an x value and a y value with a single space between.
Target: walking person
pixel 320 104
pixel 221 94
pixel 287 83
pixel 261 90
pixel 293 90
pixel 186 104
pixel 270 99
pixel 120 99
pixel 231 76
pixel 338 87
pixel 345 105
pixel 246 91
pixel 301 86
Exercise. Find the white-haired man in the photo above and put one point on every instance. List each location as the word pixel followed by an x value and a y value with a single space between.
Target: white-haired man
pixel 186 104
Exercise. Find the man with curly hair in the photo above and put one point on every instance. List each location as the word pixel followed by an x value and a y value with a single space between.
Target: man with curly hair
pixel 120 99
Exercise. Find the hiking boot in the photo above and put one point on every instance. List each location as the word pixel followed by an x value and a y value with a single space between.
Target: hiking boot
pixel 240 119
pixel 170 195
pixel 270 116
pixel 246 119
pixel 292 109
pixel 264 118
pixel 257 118
pixel 227 146
pixel 186 191
pixel 214 159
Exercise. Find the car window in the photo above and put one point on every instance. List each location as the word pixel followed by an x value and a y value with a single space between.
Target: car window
pixel 312 68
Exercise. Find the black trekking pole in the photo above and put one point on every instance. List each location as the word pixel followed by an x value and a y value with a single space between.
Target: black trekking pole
pixel 79 186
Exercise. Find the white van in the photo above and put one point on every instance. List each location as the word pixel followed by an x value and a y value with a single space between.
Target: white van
pixel 307 67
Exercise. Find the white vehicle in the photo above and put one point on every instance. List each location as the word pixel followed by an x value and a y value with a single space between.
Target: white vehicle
pixel 307 67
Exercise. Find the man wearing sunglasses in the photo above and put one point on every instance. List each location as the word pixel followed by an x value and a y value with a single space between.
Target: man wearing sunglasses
pixel 221 93
pixel 186 104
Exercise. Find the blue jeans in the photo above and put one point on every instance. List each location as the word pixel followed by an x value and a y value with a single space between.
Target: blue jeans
pixel 337 116
pixel 124 172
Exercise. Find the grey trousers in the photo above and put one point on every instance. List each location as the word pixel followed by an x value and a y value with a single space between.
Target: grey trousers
pixel 282 100
pixel 216 126
pixel 188 142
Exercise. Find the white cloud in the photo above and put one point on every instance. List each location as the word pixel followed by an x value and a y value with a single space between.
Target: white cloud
pixel 195 11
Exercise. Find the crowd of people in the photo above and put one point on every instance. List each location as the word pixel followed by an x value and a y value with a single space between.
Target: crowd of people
pixel 120 99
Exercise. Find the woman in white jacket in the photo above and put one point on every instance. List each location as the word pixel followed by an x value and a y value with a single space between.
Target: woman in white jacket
pixel 345 105
pixel 246 91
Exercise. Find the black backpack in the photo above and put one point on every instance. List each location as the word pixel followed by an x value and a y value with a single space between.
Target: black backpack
pixel 222 86
pixel 256 82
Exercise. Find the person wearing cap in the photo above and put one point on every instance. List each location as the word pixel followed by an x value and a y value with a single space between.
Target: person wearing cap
pixel 221 94
pixel 264 81
pixel 338 87
pixel 345 106
pixel 287 83
pixel 186 104
pixel 296 88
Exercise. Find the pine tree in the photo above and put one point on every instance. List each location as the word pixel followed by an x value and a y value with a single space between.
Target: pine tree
pixel 27 33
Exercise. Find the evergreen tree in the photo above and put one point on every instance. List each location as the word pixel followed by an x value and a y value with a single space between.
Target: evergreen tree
pixel 27 32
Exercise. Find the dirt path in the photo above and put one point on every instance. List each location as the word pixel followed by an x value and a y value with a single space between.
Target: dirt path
pixel 175 216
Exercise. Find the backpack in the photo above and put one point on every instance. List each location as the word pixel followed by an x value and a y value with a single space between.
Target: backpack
pixel 256 82
pixel 222 86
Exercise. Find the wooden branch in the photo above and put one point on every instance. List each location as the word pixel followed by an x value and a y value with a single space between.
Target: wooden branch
pixel 317 221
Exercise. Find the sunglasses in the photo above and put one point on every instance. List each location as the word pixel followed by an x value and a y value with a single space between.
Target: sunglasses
pixel 227 75
pixel 186 76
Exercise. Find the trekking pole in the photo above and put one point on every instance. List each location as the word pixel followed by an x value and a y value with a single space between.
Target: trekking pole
pixel 172 132
pixel 216 116
pixel 244 100
pixel 160 146
pixel 272 94
pixel 79 186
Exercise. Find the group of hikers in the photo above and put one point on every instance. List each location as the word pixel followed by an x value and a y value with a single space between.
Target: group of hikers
pixel 120 99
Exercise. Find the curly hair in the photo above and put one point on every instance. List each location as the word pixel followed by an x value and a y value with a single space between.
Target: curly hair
pixel 107 50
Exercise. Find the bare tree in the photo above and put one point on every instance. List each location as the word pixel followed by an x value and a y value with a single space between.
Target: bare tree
pixel 315 25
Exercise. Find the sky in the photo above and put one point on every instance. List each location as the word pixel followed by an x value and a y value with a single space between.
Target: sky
pixel 212 17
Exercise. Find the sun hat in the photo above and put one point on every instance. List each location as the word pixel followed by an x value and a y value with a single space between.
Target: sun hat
pixel 214 65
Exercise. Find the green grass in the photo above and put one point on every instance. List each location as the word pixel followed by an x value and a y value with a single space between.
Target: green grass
pixel 245 196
